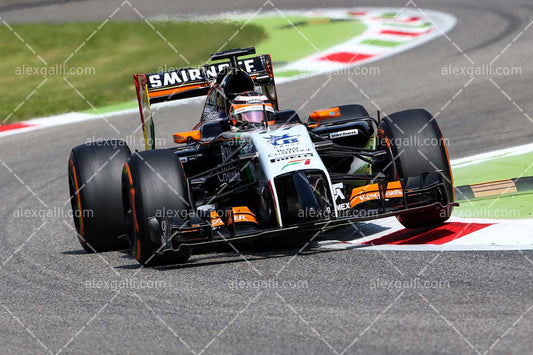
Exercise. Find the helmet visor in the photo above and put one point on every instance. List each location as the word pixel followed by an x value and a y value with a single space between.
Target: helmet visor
pixel 252 116
pixel 255 114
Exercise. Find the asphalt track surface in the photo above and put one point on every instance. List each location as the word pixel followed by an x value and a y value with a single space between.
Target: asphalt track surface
pixel 49 302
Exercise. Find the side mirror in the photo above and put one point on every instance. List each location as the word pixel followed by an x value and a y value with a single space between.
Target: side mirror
pixel 187 137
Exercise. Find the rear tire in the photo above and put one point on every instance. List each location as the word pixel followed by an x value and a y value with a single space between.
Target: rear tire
pixel 418 147
pixel 94 173
pixel 153 185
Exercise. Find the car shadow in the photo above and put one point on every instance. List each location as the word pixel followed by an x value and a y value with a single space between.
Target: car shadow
pixel 74 252
pixel 225 254
pixel 281 247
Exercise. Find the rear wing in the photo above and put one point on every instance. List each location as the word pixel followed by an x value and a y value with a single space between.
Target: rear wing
pixel 190 82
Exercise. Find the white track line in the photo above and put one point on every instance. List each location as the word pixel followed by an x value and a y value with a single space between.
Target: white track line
pixel 500 235
pixel 483 157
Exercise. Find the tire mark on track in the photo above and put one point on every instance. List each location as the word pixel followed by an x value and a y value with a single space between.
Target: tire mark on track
pixel 15 7
pixel 514 23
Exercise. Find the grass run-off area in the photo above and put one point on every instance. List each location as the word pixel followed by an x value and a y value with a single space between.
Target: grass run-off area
pixel 102 62
pixel 103 58
pixel 508 206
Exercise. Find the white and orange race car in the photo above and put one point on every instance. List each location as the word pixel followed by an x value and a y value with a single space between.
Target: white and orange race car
pixel 249 170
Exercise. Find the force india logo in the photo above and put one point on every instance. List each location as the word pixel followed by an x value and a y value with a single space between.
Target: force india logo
pixel 282 139
pixel 296 162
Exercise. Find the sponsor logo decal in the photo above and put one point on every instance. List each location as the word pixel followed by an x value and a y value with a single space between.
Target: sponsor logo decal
pixel 188 75
pixel 175 77
pixel 343 206
pixel 296 162
pixel 337 191
pixel 375 196
pixel 228 175
pixel 282 139
pixel 351 132
pixel 289 151
pixel 254 101
pixel 251 100
pixel 292 157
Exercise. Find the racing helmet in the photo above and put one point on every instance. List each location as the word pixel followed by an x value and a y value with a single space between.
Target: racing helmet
pixel 251 107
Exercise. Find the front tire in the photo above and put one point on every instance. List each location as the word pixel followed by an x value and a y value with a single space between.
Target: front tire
pixel 418 147
pixel 94 174
pixel 153 185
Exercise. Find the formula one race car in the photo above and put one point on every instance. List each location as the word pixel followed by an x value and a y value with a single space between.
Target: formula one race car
pixel 249 170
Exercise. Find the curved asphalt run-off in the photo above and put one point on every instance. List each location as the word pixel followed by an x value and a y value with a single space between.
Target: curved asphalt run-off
pixel 55 297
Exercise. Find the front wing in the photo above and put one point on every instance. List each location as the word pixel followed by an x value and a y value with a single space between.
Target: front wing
pixel 418 193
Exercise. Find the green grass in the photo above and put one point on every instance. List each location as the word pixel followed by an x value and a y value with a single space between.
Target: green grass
pixel 113 108
pixel 390 15
pixel 495 169
pixel 505 206
pixel 289 73
pixel 406 25
pixel 381 43
pixel 112 55
pixel 119 49
pixel 287 43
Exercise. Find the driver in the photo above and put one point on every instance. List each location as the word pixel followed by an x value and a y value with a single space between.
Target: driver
pixel 251 109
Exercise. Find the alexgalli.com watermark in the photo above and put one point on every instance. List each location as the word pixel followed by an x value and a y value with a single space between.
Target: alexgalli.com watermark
pixel 484 212
pixel 480 70
pixel 268 284
pixel 344 71
pixel 127 283
pixel 130 141
pixel 414 141
pixel 412 283
pixel 339 71
pixel 53 212
pixel 54 70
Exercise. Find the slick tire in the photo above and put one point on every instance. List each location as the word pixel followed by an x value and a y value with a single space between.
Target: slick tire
pixel 94 176
pixel 418 147
pixel 153 185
